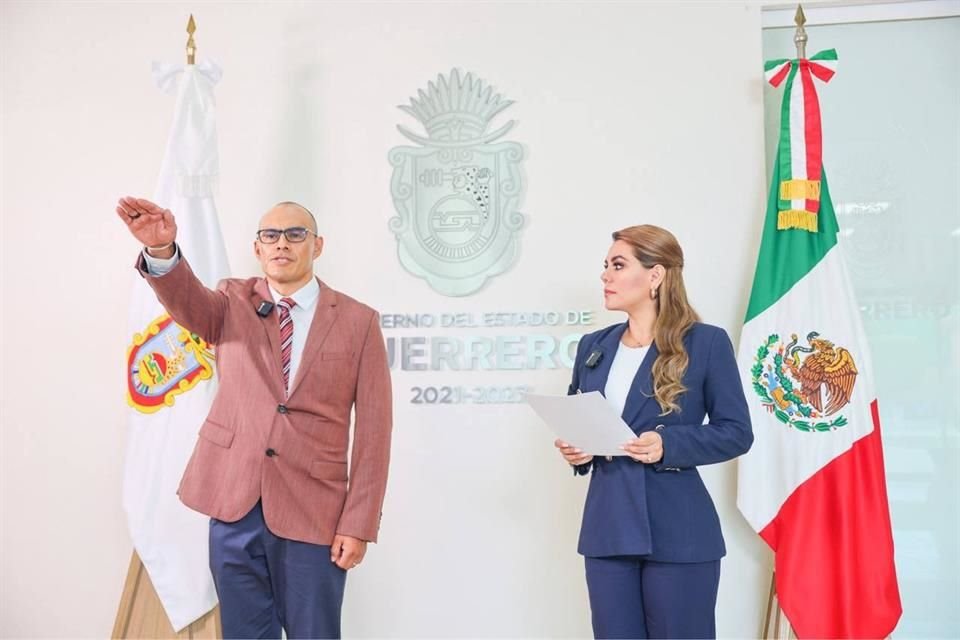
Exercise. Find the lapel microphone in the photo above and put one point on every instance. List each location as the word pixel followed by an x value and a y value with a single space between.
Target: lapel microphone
pixel 593 359
pixel 264 308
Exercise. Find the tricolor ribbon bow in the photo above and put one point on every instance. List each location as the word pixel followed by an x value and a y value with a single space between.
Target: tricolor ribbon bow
pixel 800 148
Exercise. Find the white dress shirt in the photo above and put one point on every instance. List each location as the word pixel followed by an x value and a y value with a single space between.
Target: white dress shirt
pixel 302 314
pixel 622 372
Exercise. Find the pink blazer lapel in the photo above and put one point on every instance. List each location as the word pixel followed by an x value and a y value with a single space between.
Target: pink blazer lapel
pixel 323 319
pixel 271 326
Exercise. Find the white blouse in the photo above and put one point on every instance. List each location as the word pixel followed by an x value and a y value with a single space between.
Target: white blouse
pixel 622 372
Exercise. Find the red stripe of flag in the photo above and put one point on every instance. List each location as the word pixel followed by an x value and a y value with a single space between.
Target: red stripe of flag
pixel 833 544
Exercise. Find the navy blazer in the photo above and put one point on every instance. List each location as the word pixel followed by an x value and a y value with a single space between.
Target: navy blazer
pixel 662 510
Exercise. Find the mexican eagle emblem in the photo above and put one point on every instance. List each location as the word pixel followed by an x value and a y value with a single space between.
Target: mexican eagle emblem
pixel 804 387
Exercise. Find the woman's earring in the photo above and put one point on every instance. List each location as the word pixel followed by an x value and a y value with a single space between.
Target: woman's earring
pixel 653 293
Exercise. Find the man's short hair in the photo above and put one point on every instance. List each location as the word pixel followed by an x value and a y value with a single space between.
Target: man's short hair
pixel 286 203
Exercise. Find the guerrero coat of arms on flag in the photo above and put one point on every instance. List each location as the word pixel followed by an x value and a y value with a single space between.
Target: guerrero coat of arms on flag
pixel 164 361
pixel 456 196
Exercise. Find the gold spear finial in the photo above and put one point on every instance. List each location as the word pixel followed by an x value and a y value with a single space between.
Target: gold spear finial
pixel 191 45
pixel 800 37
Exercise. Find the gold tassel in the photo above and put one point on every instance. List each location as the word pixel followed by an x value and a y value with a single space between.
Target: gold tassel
pixel 800 190
pixel 797 219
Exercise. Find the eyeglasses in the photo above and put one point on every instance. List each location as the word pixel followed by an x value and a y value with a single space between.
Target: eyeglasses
pixel 293 234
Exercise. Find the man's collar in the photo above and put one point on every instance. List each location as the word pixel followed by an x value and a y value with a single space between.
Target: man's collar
pixel 305 297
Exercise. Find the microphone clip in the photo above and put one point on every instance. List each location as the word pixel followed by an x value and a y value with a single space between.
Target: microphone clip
pixel 593 359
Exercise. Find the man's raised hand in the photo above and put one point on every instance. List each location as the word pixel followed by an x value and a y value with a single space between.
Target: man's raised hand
pixel 152 225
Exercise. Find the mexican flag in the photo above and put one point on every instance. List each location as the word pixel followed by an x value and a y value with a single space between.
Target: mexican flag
pixel 813 485
pixel 170 372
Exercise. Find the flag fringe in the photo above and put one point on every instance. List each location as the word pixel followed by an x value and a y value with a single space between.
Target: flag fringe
pixel 800 189
pixel 797 219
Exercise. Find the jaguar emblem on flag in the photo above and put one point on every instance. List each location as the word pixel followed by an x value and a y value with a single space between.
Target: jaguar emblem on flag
pixel 456 195
pixel 804 386
pixel 163 361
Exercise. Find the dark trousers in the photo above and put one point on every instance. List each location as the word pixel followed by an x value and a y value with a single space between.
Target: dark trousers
pixel 635 598
pixel 265 582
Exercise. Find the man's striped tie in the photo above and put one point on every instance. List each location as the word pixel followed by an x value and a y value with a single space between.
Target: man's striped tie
pixel 286 337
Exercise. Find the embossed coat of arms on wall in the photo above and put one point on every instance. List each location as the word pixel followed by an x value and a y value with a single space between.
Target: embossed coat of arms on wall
pixel 457 194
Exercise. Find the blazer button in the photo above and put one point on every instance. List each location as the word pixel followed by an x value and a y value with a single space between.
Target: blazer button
pixel 271 453
pixel 282 408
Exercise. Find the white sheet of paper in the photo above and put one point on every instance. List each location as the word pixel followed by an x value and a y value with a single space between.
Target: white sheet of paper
pixel 584 420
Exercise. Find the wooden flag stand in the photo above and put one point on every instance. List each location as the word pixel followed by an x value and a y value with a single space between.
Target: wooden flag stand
pixel 140 614
pixel 776 626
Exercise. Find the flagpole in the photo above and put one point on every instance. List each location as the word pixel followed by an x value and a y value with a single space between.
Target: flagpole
pixel 191 45
pixel 800 37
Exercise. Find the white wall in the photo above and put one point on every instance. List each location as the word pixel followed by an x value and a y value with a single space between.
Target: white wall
pixel 628 113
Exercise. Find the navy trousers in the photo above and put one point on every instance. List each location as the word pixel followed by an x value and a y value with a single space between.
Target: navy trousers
pixel 266 583
pixel 635 598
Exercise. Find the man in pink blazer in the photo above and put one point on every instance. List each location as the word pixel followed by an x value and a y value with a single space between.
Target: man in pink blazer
pixel 294 356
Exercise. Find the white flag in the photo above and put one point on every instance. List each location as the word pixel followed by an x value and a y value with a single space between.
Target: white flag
pixel 169 371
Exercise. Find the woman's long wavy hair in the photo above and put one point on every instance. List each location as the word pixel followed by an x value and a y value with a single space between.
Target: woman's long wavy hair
pixel 652 246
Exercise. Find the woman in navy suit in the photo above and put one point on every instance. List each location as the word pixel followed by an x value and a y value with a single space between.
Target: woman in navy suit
pixel 650 535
